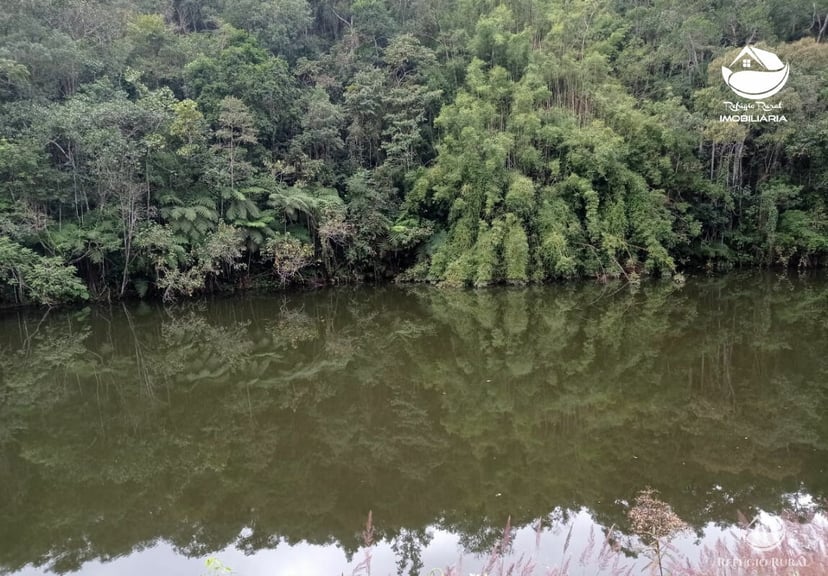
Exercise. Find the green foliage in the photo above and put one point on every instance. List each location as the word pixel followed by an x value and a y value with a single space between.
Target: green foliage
pixel 178 271
pixel 454 141
pixel 520 198
pixel 190 217
pixel 515 251
pixel 488 249
pixel 290 255
pixel 279 24
pixel 38 279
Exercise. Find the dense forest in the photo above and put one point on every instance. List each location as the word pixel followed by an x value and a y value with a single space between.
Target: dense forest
pixel 170 147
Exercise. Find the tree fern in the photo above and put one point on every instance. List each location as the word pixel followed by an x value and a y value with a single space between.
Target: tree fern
pixel 191 217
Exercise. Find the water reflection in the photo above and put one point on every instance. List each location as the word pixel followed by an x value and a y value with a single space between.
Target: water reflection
pixel 264 422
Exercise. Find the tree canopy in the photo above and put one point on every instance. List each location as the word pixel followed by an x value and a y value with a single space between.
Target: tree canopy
pixel 450 141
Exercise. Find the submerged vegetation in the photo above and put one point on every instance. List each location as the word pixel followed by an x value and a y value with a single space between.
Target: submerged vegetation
pixel 169 147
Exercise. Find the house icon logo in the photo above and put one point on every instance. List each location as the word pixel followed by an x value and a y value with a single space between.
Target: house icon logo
pixel 756 74
pixel 765 532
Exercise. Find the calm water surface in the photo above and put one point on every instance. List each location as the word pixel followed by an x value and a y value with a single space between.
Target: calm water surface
pixel 141 440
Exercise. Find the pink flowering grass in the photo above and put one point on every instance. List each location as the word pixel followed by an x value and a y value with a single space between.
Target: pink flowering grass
pixel 801 551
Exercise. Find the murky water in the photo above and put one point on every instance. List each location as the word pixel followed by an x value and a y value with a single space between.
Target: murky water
pixel 140 440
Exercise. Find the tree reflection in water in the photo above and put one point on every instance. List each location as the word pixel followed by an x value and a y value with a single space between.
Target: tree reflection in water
pixel 287 419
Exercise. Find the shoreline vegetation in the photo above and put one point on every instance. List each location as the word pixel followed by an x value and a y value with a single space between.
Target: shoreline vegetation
pixel 166 148
pixel 647 548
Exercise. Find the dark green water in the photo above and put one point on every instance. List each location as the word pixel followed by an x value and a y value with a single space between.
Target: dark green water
pixel 140 440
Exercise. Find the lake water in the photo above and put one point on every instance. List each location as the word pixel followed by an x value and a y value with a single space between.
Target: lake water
pixel 263 431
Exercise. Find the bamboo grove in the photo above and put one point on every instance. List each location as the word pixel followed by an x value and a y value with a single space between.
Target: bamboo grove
pixel 165 148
